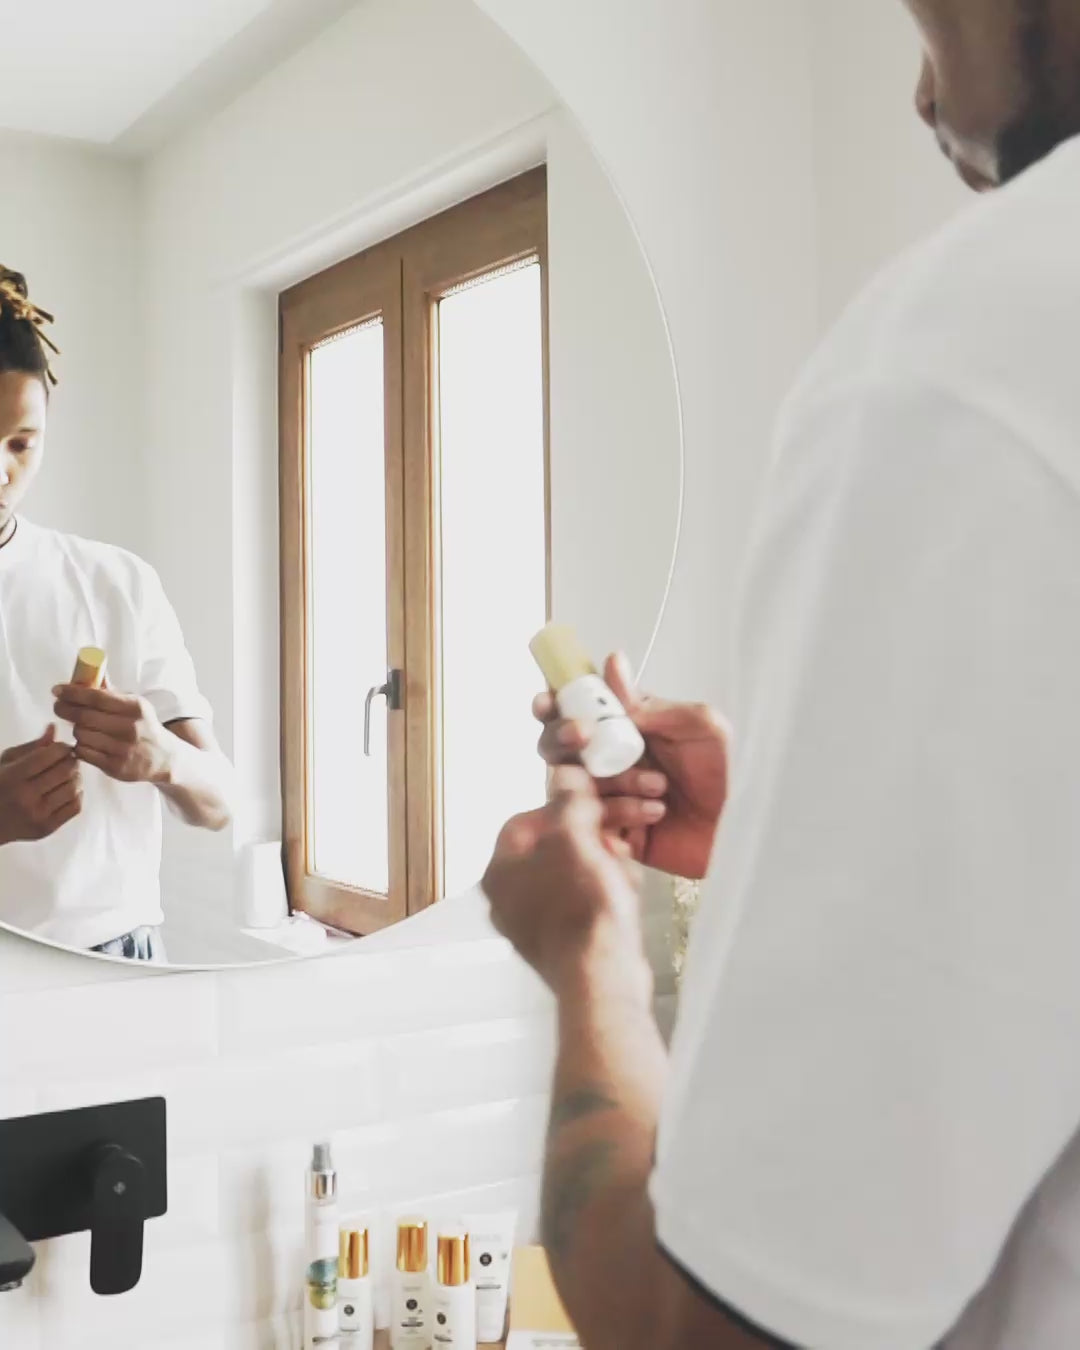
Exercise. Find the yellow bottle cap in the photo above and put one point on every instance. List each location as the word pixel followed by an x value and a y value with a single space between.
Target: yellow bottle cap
pixel 89 668
pixel 560 655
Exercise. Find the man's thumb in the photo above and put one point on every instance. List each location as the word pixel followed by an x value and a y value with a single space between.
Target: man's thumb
pixel 49 735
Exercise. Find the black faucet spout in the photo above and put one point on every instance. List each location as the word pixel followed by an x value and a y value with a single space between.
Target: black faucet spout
pixel 16 1256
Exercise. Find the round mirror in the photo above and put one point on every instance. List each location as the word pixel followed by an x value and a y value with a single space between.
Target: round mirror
pixel 364 378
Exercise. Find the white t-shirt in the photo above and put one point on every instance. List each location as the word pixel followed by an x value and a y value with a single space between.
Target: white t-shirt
pixel 98 876
pixel 870 1136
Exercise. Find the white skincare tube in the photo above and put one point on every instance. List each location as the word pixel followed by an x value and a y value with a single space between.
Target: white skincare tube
pixel 356 1302
pixel 453 1304
pixel 410 1293
pixel 491 1245
pixel 616 744
pixel 321 1251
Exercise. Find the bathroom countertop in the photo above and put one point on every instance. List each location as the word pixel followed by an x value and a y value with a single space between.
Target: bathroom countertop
pixel 382 1342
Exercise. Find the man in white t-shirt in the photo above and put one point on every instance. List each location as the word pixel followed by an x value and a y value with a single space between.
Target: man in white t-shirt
pixel 83 772
pixel 866 1133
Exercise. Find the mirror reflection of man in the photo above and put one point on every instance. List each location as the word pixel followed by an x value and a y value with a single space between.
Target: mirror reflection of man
pixel 867 1132
pixel 83 771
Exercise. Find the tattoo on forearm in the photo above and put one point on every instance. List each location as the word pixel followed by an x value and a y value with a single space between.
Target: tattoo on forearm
pixel 569 1186
pixel 578 1106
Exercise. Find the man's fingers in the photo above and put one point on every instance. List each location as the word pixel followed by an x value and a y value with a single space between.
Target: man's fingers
pixel 519 835
pixel 56 777
pixel 16 752
pixel 100 741
pixel 631 813
pixel 118 725
pixel 44 759
pixel 620 680
pixel 95 758
pixel 544 709
pixel 573 799
pixel 103 700
pixel 680 722
pixel 67 812
pixel 63 794
pixel 619 847
pixel 647 783
pixel 562 741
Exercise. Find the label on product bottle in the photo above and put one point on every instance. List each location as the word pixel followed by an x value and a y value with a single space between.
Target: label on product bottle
pixel 410 1312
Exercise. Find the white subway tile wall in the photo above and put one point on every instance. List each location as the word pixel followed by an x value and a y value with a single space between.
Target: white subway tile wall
pixel 428 1068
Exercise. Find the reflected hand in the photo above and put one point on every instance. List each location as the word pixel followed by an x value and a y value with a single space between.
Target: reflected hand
pixel 40 789
pixel 668 807
pixel 562 889
pixel 117 733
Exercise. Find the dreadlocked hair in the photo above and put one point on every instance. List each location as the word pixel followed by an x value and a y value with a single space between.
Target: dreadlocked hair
pixel 24 343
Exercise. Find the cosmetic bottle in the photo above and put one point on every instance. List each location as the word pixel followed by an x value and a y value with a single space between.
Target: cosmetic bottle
pixel 453 1302
pixel 320 1251
pixel 615 744
pixel 491 1245
pixel 356 1305
pixel 411 1288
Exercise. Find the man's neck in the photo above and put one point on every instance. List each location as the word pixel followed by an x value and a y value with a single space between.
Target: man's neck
pixel 7 533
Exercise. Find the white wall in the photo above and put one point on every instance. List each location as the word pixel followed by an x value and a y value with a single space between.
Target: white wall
pixel 881 182
pixel 68 221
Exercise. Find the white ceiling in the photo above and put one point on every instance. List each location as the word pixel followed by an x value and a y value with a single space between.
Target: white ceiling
pixel 127 73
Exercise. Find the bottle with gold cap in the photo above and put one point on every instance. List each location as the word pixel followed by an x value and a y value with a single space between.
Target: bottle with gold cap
pixel 453 1304
pixel 89 672
pixel 356 1305
pixel 615 744
pixel 410 1320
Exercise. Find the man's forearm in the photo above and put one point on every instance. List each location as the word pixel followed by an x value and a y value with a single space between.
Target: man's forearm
pixel 599 1227
pixel 198 784
pixel 597 1219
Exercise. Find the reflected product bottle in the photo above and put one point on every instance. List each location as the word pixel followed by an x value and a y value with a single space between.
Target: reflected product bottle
pixel 356 1307
pixel 615 744
pixel 320 1251
pixel 411 1288
pixel 453 1303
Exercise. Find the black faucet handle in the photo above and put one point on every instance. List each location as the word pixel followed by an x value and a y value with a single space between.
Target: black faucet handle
pixel 117 1217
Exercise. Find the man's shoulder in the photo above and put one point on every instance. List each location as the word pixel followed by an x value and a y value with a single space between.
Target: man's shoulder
pixel 986 311
pixel 1009 256
pixel 95 558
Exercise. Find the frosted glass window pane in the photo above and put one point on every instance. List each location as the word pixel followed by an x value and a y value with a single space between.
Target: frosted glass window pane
pixel 493 560
pixel 347 609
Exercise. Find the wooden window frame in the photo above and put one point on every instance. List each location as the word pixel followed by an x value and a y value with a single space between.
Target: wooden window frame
pixel 402 281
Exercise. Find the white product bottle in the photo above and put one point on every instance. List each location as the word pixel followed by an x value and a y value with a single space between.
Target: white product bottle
pixel 615 744
pixel 321 1252
pixel 356 1304
pixel 410 1311
pixel 453 1304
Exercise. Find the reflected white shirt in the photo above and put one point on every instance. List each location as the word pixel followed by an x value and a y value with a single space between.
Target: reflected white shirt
pixel 98 876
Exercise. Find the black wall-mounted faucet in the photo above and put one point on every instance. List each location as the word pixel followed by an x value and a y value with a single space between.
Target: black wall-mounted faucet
pixel 100 1168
